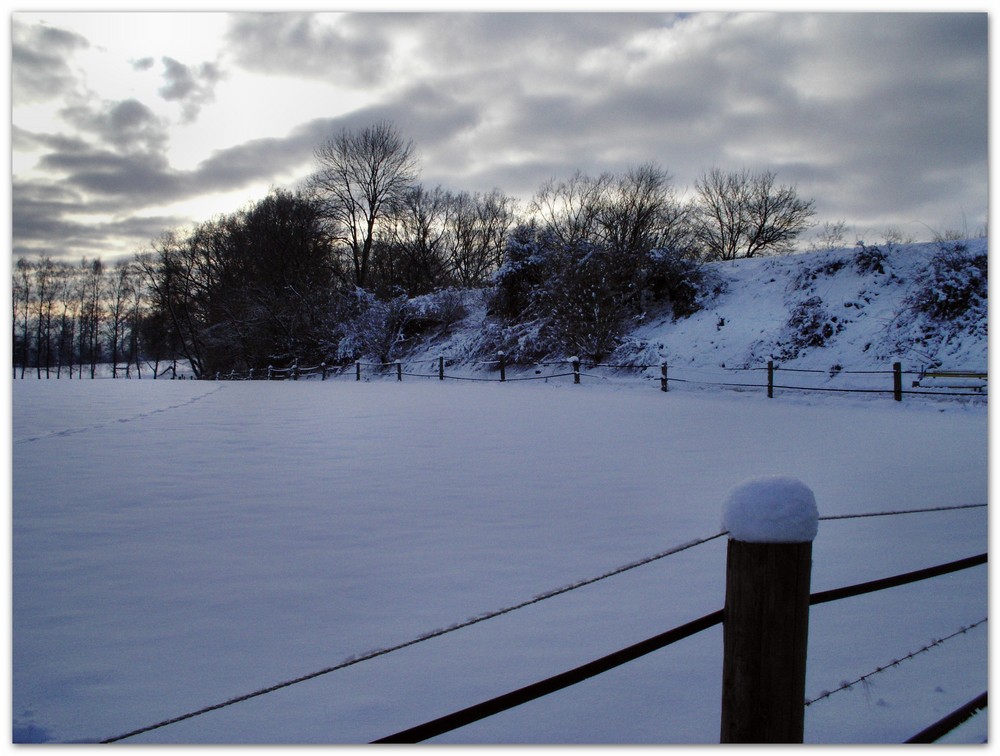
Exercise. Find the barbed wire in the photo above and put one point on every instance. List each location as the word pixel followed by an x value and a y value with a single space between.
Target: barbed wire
pixel 357 659
pixel 352 660
pixel 845 685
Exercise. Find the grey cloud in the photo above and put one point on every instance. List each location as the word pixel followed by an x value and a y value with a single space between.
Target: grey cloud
pixel 126 124
pixel 40 61
pixel 256 160
pixel 143 64
pixel 874 115
pixel 193 87
pixel 143 178
pixel 46 220
pixel 305 44
pixel 908 108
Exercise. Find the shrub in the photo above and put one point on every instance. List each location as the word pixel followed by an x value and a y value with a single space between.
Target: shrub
pixel 954 285
pixel 686 284
pixel 808 326
pixel 374 327
pixel 869 259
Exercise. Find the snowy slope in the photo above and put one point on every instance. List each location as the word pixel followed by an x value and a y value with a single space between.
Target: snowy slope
pixel 179 543
pixel 754 320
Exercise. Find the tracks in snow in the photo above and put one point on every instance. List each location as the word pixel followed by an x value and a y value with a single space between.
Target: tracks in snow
pixel 107 423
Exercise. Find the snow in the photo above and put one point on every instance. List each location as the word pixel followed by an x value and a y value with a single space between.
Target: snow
pixel 759 316
pixel 771 509
pixel 176 544
pixel 180 543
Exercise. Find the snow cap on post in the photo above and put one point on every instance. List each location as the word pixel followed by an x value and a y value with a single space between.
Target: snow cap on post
pixel 771 510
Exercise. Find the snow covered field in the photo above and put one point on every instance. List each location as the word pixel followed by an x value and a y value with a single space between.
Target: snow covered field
pixel 179 543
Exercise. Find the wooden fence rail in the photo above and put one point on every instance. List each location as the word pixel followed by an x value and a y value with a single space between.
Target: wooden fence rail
pixel 765 625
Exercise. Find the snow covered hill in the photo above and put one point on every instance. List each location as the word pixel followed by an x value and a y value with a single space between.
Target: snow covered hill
pixel 835 311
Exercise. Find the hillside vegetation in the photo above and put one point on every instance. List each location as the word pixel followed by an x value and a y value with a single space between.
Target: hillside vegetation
pixel 856 308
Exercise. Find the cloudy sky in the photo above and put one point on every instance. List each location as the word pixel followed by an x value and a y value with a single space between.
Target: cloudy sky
pixel 125 125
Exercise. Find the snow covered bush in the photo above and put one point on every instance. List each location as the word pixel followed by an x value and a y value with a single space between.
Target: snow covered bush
pixel 522 273
pixel 560 297
pixel 809 326
pixel 581 297
pixel 954 285
pixel 686 284
pixel 439 310
pixel 869 259
pixel 374 327
pixel 948 300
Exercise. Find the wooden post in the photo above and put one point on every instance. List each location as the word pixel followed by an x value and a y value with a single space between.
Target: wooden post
pixel 503 366
pixel 766 614
pixel 441 368
pixel 897 381
pixel 576 369
pixel 357 370
pixel 770 379
pixel 663 376
pixel 295 371
pixel 323 366
pixel 270 368
pixel 399 370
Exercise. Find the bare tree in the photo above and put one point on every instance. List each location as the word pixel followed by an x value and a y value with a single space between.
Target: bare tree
pixel 362 175
pixel 743 214
pixel 411 256
pixel 569 210
pixel 66 282
pixel 46 288
pixel 92 312
pixel 21 294
pixel 478 227
pixel 119 289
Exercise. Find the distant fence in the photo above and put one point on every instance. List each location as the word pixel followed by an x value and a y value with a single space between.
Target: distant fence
pixel 768 378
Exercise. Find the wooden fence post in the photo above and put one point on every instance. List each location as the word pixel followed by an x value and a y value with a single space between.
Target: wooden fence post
pixel 270 368
pixel 357 370
pixel 503 366
pixel 663 376
pixel 770 379
pixel 897 381
pixel 441 368
pixel 772 523
pixel 399 370
pixel 576 369
pixel 323 366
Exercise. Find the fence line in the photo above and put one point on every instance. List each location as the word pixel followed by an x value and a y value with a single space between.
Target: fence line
pixel 678 375
pixel 895 662
pixel 973 390
pixel 552 684
pixel 357 659
pixel 947 724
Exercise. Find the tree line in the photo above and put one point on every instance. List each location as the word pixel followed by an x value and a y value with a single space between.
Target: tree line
pixel 363 256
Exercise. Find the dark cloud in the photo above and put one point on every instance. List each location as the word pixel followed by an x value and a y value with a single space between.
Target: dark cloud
pixel 192 87
pixel 307 45
pixel 40 62
pixel 126 125
pixel 881 118
pixel 47 220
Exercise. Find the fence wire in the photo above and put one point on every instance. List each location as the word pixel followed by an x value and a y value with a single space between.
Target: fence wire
pixel 848 685
pixel 357 659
